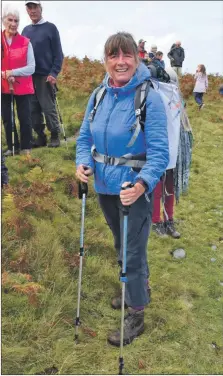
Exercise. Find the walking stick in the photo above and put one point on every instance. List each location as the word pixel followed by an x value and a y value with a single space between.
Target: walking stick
pixel 123 278
pixel 12 118
pixel 60 117
pixel 82 194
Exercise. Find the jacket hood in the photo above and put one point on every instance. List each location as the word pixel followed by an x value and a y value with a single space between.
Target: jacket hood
pixel 142 73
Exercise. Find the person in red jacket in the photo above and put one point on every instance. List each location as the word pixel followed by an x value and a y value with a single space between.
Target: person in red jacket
pixel 141 49
pixel 18 65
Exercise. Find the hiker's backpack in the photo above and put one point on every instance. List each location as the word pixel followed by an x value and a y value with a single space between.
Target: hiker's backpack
pixel 170 95
pixel 158 72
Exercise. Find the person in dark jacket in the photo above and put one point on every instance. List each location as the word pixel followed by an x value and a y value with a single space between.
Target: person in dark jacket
pixel 104 139
pixel 176 56
pixel 45 40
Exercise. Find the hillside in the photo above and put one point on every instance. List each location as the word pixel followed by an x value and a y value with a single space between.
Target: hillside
pixel 40 247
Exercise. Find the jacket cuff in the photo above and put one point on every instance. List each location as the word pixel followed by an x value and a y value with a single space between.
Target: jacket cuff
pixel 143 183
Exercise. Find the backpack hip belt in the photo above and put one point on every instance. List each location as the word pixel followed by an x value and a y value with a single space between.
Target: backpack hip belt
pixel 125 160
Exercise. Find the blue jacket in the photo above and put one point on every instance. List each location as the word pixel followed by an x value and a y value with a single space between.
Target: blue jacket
pixel 112 131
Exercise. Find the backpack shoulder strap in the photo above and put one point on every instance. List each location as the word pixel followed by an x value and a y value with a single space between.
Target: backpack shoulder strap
pixel 140 110
pixel 99 96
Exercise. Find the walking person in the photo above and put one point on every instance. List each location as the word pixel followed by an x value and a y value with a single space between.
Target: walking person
pixel 48 53
pixel 18 65
pixel 103 140
pixel 201 85
pixel 176 180
pixel 176 56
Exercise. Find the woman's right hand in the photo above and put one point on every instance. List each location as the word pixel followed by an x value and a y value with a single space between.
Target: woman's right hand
pixel 82 173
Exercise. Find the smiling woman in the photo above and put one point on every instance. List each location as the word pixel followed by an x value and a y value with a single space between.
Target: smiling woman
pixel 18 64
pixel 121 59
pixel 108 133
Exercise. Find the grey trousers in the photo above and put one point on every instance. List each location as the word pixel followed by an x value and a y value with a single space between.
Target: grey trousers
pixel 139 221
pixel 43 102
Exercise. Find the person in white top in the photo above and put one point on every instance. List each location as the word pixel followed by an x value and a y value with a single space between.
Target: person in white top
pixel 201 85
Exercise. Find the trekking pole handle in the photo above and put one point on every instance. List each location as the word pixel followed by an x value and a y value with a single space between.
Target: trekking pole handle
pixel 125 208
pixel 82 187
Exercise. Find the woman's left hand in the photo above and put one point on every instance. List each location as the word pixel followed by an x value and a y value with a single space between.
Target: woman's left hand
pixel 130 195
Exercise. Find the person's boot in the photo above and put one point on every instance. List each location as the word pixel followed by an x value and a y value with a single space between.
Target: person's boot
pixel 54 141
pixel 41 141
pixel 8 153
pixel 133 327
pixel 170 229
pixel 159 229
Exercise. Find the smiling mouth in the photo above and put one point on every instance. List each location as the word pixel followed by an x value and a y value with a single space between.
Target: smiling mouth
pixel 121 70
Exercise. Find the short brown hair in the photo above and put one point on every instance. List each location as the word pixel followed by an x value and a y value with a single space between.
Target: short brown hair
pixel 123 41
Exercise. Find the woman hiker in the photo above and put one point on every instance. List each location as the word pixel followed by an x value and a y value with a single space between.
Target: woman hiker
pixel 18 65
pixel 108 135
pixel 176 180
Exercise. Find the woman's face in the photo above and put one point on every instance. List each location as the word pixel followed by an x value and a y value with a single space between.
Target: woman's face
pixel 11 24
pixel 121 67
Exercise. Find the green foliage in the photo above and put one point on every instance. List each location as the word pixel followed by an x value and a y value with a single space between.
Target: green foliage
pixel 40 247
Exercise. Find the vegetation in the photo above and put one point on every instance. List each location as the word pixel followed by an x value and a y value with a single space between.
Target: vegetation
pixel 40 247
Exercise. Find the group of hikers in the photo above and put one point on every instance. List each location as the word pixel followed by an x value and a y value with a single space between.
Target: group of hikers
pixel 115 145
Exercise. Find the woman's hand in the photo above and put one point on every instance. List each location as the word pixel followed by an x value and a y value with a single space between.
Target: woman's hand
pixel 82 173
pixel 8 74
pixel 130 195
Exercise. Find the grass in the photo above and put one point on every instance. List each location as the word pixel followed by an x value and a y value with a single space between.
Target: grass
pixel 40 246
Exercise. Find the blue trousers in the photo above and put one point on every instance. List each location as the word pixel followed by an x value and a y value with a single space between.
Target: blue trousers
pixel 139 222
pixel 199 98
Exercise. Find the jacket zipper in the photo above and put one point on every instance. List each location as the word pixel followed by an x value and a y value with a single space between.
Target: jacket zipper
pixel 105 138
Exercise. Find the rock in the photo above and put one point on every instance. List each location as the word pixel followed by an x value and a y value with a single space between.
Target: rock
pixel 213 259
pixel 179 253
pixel 221 283
pixel 213 247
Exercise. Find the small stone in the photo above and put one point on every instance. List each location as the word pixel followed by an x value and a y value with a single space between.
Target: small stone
pixel 213 259
pixel 179 253
pixel 221 283
pixel 213 247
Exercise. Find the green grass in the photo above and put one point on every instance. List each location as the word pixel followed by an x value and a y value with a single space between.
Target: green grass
pixel 40 238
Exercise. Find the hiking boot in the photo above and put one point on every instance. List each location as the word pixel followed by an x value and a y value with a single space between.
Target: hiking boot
pixel 8 153
pixel 54 141
pixel 159 229
pixel 41 141
pixel 116 303
pixel 25 152
pixel 133 327
pixel 170 229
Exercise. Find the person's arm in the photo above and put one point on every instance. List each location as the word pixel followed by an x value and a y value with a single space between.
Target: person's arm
pixel 170 55
pixel 156 137
pixel 29 69
pixel 85 140
pixel 56 52
pixel 182 54
pixel 206 81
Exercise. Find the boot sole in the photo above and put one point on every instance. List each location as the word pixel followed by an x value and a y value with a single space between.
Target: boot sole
pixel 127 341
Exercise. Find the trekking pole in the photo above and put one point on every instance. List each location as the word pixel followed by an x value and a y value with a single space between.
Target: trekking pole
pixel 12 118
pixel 82 194
pixel 123 278
pixel 60 117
